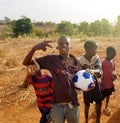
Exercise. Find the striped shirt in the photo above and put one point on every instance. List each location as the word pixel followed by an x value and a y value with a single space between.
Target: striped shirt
pixel 43 87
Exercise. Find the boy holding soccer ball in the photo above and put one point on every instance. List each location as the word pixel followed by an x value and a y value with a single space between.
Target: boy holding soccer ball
pixel 90 61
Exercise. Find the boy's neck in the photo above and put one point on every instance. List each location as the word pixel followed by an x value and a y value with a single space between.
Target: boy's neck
pixel 88 57
pixel 65 57
pixel 108 59
pixel 39 74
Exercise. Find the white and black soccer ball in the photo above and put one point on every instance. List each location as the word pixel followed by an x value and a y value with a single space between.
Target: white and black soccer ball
pixel 83 80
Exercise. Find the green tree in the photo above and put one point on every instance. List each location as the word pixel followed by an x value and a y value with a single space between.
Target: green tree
pixel 106 28
pixel 7 20
pixel 65 27
pixel 95 27
pixel 84 28
pixel 22 26
pixel 117 27
pixel 75 29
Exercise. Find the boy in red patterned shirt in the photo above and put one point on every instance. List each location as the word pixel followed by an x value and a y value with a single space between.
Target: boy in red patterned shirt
pixel 43 86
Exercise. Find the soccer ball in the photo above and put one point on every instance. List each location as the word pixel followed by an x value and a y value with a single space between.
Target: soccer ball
pixel 83 80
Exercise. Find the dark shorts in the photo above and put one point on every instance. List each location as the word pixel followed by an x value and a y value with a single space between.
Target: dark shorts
pixel 93 96
pixel 107 92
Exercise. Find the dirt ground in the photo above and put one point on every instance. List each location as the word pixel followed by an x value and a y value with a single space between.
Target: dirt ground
pixel 19 106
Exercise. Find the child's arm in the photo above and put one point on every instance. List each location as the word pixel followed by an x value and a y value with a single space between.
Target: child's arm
pixel 97 69
pixel 93 71
pixel 26 82
pixel 114 76
pixel 27 77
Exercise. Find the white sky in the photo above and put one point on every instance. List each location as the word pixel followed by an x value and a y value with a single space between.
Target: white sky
pixel 74 11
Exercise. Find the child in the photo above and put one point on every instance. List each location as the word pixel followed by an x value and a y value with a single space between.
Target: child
pixel 62 66
pixel 43 86
pixel 91 62
pixel 108 67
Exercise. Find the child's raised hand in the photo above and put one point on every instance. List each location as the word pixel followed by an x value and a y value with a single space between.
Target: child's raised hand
pixel 42 45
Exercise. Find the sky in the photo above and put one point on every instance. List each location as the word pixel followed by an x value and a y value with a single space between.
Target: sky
pixel 75 11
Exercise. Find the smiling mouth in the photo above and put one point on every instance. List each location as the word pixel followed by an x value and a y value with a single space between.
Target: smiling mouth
pixel 63 49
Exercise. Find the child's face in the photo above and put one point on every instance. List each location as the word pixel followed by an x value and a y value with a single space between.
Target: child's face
pixel 111 55
pixel 92 51
pixel 64 47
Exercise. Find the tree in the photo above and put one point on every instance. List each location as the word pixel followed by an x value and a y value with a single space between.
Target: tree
pixel 75 29
pixel 106 28
pixel 117 27
pixel 84 28
pixel 7 20
pixel 22 26
pixel 65 27
pixel 95 27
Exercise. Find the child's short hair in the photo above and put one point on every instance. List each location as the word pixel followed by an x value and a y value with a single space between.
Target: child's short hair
pixel 89 44
pixel 110 50
pixel 63 37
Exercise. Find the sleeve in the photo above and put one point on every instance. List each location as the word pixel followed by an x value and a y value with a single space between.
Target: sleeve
pixel 43 62
pixel 51 82
pixel 30 80
pixel 98 64
pixel 98 68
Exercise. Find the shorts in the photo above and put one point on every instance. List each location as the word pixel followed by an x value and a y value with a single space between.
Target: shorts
pixel 93 95
pixel 107 92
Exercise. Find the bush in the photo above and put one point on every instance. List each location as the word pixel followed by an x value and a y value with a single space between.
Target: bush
pixel 22 26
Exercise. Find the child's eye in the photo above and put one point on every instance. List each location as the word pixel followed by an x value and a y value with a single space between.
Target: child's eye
pixel 65 45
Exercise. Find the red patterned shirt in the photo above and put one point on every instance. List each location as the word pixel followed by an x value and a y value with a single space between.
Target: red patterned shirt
pixel 43 87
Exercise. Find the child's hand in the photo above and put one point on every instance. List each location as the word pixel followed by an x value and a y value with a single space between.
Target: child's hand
pixel 90 71
pixel 42 45
pixel 22 86
pixel 25 83
pixel 114 77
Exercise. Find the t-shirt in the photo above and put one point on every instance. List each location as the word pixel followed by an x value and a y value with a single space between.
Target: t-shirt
pixel 64 90
pixel 43 87
pixel 94 63
pixel 108 68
